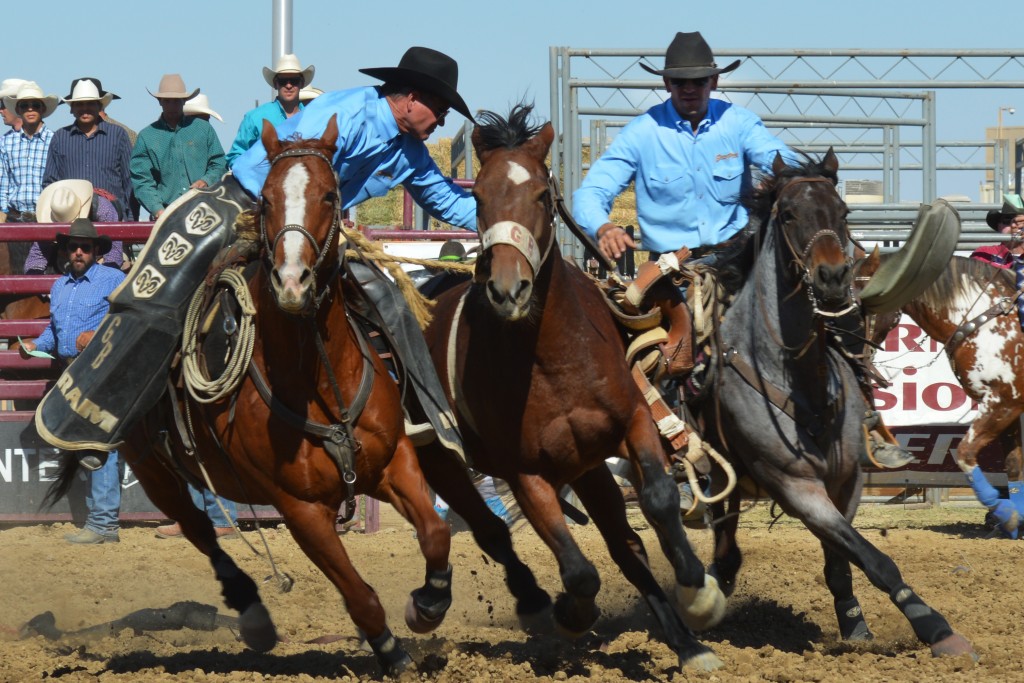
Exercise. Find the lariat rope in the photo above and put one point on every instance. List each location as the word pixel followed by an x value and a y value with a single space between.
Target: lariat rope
pixel 200 388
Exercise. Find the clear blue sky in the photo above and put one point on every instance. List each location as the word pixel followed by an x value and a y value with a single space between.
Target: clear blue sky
pixel 502 47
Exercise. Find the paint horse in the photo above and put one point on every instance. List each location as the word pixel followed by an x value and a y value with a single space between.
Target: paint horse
pixel 282 440
pixel 786 406
pixel 970 309
pixel 536 375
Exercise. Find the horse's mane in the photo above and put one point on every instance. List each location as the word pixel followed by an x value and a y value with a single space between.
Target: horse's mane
pixel 741 251
pixel 953 281
pixel 495 132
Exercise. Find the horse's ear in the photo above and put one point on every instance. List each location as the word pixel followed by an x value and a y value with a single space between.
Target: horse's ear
pixel 539 144
pixel 481 154
pixel 330 134
pixel 831 162
pixel 779 165
pixel 270 141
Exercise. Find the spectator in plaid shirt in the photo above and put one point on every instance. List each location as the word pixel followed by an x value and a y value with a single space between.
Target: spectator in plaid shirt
pixel 23 153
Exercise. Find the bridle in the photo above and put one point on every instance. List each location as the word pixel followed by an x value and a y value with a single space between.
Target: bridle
pixel 321 251
pixel 800 258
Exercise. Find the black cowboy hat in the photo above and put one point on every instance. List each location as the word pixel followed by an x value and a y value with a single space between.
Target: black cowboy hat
pixel 84 229
pixel 430 70
pixel 689 56
pixel 94 81
pixel 1009 211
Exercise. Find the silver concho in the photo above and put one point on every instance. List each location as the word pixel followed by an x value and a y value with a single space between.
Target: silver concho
pixel 202 219
pixel 174 250
pixel 147 283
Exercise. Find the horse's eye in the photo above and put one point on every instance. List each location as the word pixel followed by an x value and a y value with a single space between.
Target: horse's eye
pixel 331 197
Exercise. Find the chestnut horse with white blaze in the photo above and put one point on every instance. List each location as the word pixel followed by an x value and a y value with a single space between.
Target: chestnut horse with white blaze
pixel 287 446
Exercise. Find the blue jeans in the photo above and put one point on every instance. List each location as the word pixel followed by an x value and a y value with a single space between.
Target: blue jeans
pixel 104 497
pixel 206 501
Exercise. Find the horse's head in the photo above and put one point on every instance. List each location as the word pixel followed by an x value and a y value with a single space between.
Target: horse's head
pixel 300 216
pixel 514 208
pixel 811 219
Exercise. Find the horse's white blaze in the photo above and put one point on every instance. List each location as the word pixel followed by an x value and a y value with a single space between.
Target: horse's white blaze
pixel 991 364
pixel 516 173
pixel 295 184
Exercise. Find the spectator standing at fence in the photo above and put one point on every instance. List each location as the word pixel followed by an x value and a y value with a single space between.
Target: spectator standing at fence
pixel 9 87
pixel 92 149
pixel 176 153
pixel 288 77
pixel 23 153
pixel 63 202
pixel 78 302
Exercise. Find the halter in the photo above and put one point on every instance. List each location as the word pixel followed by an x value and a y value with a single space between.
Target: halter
pixel 321 252
pixel 800 258
pixel 517 235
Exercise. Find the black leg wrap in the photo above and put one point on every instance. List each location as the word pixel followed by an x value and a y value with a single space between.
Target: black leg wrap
pixel 238 589
pixel 929 626
pixel 123 372
pixel 435 597
pixel 392 657
pixel 851 620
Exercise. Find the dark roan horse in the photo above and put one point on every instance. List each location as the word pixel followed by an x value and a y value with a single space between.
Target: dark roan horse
pixel 535 372
pixel 970 310
pixel 786 406
pixel 256 453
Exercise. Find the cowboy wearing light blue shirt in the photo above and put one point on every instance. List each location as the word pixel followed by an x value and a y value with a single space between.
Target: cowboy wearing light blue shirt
pixel 374 155
pixel 690 157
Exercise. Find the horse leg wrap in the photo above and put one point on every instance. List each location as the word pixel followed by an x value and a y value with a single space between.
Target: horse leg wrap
pixel 123 372
pixel 392 657
pixel 929 626
pixel 435 597
pixel 851 620
pixel 986 493
pixel 1017 495
pixel 1004 512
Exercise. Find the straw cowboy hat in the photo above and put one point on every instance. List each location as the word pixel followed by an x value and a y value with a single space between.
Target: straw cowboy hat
pixel 30 90
pixel 289 64
pixel 429 70
pixel 9 86
pixel 84 90
pixel 309 93
pixel 84 229
pixel 689 56
pixel 200 105
pixel 64 201
pixel 1013 205
pixel 172 87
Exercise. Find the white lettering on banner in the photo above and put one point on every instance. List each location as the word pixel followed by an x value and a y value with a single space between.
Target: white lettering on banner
pixel 13 457
pixel 924 390
pixel 942 447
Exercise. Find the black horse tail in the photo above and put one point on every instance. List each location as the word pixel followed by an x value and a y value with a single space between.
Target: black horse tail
pixel 65 478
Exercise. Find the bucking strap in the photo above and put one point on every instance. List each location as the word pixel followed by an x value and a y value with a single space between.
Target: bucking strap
pixel 122 373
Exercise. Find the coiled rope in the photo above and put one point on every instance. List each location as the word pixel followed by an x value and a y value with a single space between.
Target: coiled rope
pixel 201 388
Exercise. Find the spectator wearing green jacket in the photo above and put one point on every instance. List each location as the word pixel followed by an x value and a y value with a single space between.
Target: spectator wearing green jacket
pixel 176 152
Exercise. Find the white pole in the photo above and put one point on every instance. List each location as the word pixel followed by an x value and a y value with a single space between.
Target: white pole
pixel 282 33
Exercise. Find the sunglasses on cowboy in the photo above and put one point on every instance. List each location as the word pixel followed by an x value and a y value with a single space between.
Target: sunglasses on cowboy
pixel 75 245
pixel 285 81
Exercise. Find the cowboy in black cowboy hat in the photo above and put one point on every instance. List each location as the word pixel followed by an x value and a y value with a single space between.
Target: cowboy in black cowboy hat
pixel 380 146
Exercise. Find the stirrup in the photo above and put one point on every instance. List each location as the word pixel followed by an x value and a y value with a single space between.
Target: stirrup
pixel 420 434
pixel 91 460
pixel 885 455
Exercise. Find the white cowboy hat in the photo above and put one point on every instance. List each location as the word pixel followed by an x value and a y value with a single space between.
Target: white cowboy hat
pixel 200 105
pixel 30 90
pixel 10 86
pixel 64 201
pixel 289 64
pixel 309 93
pixel 86 91
pixel 172 87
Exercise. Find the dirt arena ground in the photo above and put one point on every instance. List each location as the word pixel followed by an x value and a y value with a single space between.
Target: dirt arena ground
pixel 780 625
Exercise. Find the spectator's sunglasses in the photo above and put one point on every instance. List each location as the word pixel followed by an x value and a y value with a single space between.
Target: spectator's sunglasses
pixel 283 81
pixel 697 82
pixel 86 247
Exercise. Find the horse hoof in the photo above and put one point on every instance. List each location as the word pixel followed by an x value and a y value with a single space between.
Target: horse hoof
pixel 705 661
pixel 537 623
pixel 573 617
pixel 954 646
pixel 701 608
pixel 257 628
pixel 418 622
